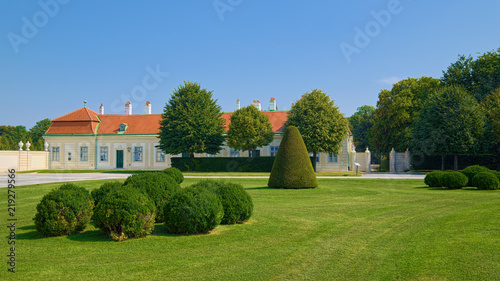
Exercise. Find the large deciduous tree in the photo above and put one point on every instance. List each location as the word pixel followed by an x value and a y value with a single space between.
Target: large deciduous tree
pixel 36 133
pixel 451 123
pixel 191 122
pixel 491 141
pixel 319 121
pixel 398 110
pixel 361 123
pixel 249 129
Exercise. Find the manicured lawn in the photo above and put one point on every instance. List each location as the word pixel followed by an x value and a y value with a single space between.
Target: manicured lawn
pixel 349 229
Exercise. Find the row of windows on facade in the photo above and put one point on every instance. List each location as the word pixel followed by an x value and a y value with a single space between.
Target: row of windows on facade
pixel 160 155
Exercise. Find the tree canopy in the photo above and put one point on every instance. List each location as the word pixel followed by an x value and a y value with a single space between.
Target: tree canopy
pixel 491 107
pixel 249 129
pixel 361 123
pixel 191 122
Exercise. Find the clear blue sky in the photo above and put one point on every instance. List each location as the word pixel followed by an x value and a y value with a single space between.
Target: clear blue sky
pixel 54 56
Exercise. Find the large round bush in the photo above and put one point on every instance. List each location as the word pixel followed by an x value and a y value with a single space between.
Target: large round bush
pixel 193 210
pixel 63 211
pixel 125 213
pixel 471 171
pixel 175 173
pixel 486 180
pixel 157 185
pixel 99 193
pixel 454 180
pixel 434 179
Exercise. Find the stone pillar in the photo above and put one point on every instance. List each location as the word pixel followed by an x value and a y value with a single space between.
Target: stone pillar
pixel 368 156
pixel 392 161
pixel 407 159
pixel 28 144
pixel 20 144
pixel 46 146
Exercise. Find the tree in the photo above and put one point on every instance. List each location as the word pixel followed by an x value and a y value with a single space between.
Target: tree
pixel 11 136
pixel 451 123
pixel 249 129
pixel 191 122
pixel 319 121
pixel 36 133
pixel 491 141
pixel 398 111
pixel 361 123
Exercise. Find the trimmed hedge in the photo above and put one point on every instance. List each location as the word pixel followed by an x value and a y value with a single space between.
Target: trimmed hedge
pixel 125 213
pixel 485 181
pixel 99 193
pixel 292 167
pixel 454 180
pixel 194 209
pixel 434 179
pixel 63 211
pixel 175 173
pixel 226 164
pixel 157 185
pixel 471 171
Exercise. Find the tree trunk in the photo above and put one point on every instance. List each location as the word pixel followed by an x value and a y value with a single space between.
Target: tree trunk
pixel 498 161
pixel 455 163
pixel 314 157
pixel 249 152
pixel 191 155
pixel 442 162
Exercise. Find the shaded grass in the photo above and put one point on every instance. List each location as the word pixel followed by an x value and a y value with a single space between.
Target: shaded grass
pixel 344 230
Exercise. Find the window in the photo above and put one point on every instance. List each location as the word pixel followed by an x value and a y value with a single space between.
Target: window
pixel 104 153
pixel 332 158
pixel 317 156
pixel 138 153
pixel 235 153
pixel 84 153
pixel 274 150
pixel 256 153
pixel 123 127
pixel 55 153
pixel 160 156
pixel 211 155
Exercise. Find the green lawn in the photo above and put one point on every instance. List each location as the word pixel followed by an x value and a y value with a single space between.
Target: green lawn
pixel 347 229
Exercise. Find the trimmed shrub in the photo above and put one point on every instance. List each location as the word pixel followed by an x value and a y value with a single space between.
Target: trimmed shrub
pixel 486 180
pixel 471 171
pixel 194 209
pixel 175 173
pixel 99 193
pixel 434 179
pixel 63 211
pixel 236 202
pixel 454 180
pixel 496 173
pixel 157 185
pixel 125 213
pixel 292 167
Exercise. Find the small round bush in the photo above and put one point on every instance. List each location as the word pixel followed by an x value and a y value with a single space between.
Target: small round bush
pixel 63 211
pixel 193 210
pixel 157 185
pixel 434 179
pixel 486 180
pixel 471 171
pixel 125 213
pixel 210 184
pixel 496 173
pixel 99 193
pixel 454 180
pixel 175 173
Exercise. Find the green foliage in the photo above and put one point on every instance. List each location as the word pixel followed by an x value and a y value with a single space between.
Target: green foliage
pixel 175 173
pixel 157 185
pixel 63 211
pixel 125 213
pixel 193 210
pixel 191 122
pixel 473 170
pixel 249 129
pixel 11 136
pixel 322 126
pixel 292 167
pixel 99 193
pixel 486 180
pixel 454 180
pixel 236 202
pixel 434 179
pixel 491 107
pixel 36 133
pixel 397 112
pixel 361 123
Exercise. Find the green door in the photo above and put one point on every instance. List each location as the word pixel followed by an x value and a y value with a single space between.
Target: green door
pixel 119 159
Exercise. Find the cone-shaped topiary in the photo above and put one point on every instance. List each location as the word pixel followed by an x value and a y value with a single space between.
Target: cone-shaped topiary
pixel 292 167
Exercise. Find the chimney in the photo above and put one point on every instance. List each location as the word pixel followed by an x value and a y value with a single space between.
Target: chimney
pixel 128 108
pixel 272 105
pixel 101 109
pixel 257 104
pixel 147 108
pixel 238 105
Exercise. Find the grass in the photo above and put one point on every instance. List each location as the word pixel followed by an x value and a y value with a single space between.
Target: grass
pixel 344 230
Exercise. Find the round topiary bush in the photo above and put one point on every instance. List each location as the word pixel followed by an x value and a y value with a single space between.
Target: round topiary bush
pixel 175 173
pixel 194 209
pixel 236 202
pixel 157 185
pixel 125 213
pixel 63 211
pixel 486 180
pixel 454 180
pixel 471 171
pixel 434 179
pixel 99 193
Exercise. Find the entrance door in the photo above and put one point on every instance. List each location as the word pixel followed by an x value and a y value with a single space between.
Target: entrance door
pixel 119 159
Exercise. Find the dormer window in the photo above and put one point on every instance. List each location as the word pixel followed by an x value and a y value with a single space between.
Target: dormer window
pixel 123 128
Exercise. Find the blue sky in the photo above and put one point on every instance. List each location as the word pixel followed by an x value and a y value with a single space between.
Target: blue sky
pixel 56 53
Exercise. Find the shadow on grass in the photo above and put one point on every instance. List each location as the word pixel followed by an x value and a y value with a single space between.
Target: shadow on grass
pixel 255 188
pixel 32 235
pixel 161 230
pixel 90 236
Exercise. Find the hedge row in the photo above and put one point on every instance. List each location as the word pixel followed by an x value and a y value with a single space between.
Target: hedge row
pixel 474 176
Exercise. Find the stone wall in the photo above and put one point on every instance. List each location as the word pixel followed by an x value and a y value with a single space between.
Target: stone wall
pixel 23 160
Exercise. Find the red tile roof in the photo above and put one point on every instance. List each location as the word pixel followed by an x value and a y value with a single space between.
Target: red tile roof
pixel 277 119
pixel 82 114
pixel 137 124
